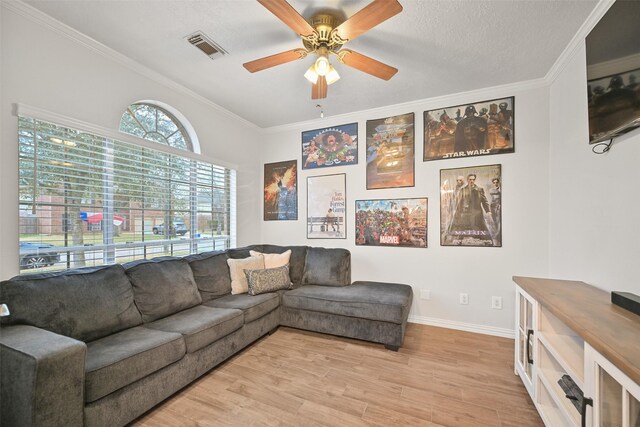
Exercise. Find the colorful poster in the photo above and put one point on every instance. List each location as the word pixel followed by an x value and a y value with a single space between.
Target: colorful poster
pixel 390 152
pixel 471 206
pixel 469 130
pixel 281 191
pixel 332 146
pixel 392 222
pixel 326 207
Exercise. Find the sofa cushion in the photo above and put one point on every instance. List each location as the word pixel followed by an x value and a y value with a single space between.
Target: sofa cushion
pixel 200 326
pixel 254 307
pixel 327 267
pixel 268 280
pixel 296 261
pixel 85 304
pixel 387 302
pixel 239 284
pixel 123 358
pixel 162 287
pixel 211 273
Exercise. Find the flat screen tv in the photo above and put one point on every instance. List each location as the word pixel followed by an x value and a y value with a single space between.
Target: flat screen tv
pixel 613 72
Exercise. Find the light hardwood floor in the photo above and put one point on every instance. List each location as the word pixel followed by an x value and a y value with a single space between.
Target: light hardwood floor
pixel 440 377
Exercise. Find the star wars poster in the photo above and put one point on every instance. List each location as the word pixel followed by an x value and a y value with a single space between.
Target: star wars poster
pixel 392 222
pixel 326 207
pixel 332 146
pixel 390 152
pixel 471 206
pixel 281 191
pixel 469 130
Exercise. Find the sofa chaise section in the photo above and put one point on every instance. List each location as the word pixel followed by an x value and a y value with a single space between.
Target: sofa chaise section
pixel 369 311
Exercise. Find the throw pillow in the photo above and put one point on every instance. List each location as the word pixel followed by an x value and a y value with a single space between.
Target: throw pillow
pixel 239 283
pixel 268 280
pixel 274 260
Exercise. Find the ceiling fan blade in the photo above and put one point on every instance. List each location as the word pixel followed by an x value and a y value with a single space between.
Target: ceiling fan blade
pixel 365 19
pixel 368 65
pixel 273 60
pixel 287 14
pixel 319 89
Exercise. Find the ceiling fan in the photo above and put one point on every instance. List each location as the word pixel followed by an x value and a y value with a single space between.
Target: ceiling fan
pixel 326 34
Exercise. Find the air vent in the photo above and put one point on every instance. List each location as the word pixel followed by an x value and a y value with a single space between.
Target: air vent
pixel 205 44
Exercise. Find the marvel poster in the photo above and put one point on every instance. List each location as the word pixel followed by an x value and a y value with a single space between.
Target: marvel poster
pixel 332 146
pixel 471 206
pixel 392 222
pixel 326 209
pixel 469 130
pixel 281 191
pixel 390 152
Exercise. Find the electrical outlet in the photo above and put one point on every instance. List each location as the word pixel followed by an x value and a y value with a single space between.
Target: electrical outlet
pixel 496 303
pixel 464 299
pixel 425 294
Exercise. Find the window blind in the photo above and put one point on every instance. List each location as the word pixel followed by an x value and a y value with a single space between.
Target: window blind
pixel 88 200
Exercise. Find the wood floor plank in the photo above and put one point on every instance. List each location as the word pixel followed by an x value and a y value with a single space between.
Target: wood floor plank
pixel 381 416
pixel 440 377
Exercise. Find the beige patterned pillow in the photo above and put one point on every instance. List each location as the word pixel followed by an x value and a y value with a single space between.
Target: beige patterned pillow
pixel 239 283
pixel 274 260
pixel 268 280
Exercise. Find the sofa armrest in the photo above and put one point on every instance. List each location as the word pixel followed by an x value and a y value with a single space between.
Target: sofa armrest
pixel 41 377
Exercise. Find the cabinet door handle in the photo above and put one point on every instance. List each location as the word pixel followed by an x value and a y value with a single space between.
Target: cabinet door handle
pixel 529 358
pixel 583 413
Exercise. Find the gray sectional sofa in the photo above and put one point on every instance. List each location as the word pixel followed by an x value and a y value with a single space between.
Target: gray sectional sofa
pixel 101 346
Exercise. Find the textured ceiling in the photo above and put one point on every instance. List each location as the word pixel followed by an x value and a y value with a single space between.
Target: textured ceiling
pixel 439 47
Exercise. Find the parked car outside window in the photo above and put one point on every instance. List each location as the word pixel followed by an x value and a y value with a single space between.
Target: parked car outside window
pixel 35 255
pixel 177 227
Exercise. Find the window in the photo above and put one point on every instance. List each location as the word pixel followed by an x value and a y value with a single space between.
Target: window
pixel 155 124
pixel 89 200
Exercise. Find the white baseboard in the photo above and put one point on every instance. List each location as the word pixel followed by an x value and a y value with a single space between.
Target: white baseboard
pixel 462 326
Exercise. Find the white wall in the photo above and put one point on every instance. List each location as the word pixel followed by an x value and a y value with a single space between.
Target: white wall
pixel 44 68
pixel 445 271
pixel 594 207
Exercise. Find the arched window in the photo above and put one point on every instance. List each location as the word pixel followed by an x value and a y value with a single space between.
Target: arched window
pixel 156 124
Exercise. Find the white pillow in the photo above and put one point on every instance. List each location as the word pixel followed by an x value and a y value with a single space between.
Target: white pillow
pixel 239 284
pixel 274 260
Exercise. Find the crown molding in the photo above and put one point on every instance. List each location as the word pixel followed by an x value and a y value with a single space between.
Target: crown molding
pixel 418 105
pixel 462 326
pixel 41 18
pixel 578 40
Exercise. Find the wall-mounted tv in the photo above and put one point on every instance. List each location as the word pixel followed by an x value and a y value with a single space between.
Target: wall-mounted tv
pixel 613 72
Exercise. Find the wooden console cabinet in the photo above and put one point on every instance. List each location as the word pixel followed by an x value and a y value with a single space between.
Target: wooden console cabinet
pixel 568 328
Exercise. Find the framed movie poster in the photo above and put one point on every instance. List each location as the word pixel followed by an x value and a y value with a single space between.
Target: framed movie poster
pixel 392 222
pixel 390 152
pixel 471 206
pixel 469 130
pixel 281 191
pixel 333 146
pixel 326 208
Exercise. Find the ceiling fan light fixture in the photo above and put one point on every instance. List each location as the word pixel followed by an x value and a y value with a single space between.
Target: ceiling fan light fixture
pixel 322 65
pixel 311 74
pixel 332 76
